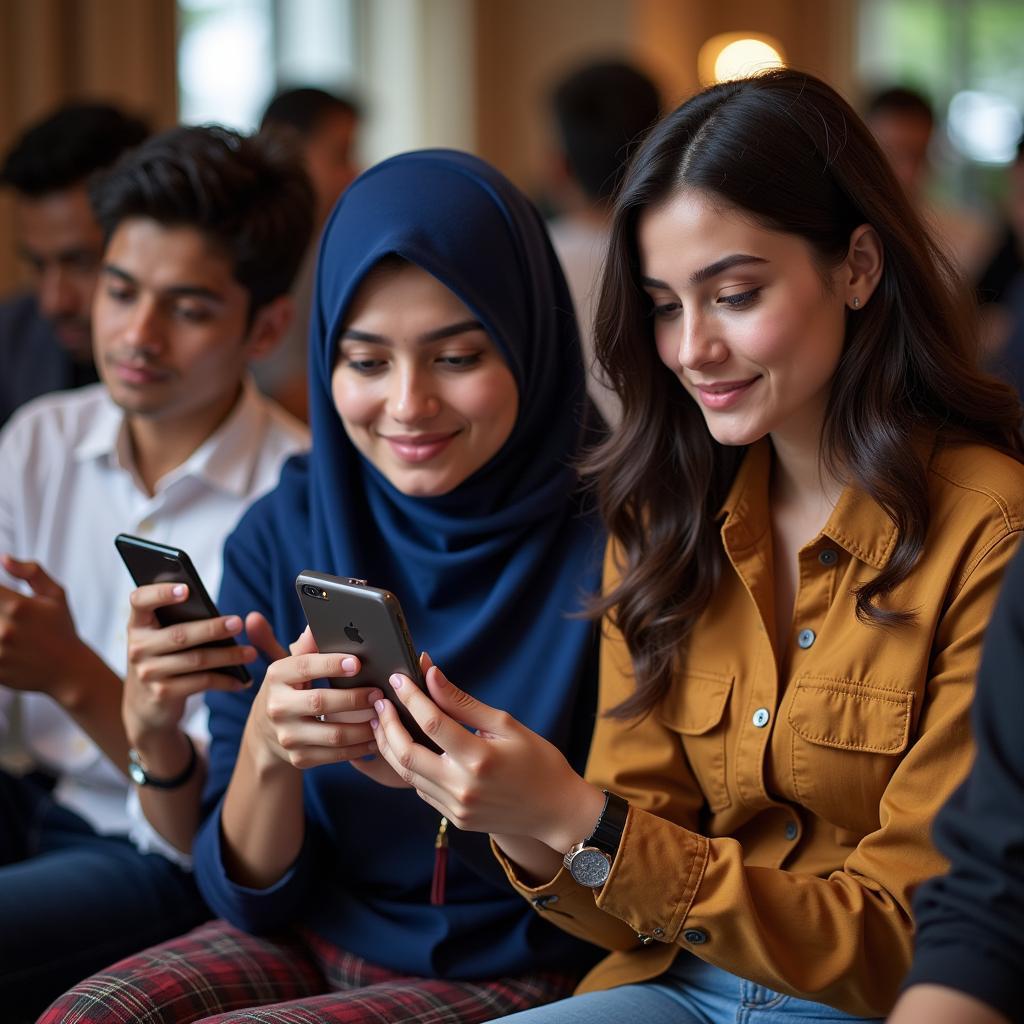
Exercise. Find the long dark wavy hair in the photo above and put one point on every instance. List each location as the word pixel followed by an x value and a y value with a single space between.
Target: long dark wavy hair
pixel 787 150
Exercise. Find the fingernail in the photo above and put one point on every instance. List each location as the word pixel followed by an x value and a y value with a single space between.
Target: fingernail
pixel 349 664
pixel 396 682
pixel 379 706
pixel 374 723
pixel 179 589
pixel 375 695
pixel 232 623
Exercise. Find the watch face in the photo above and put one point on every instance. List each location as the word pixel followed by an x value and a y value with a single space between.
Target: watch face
pixel 590 867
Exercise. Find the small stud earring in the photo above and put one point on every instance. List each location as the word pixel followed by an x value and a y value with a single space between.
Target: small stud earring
pixel 855 302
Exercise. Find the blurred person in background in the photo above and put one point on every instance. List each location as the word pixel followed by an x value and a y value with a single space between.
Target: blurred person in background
pixel 1000 290
pixel 45 341
pixel 600 111
pixel 322 129
pixel 903 123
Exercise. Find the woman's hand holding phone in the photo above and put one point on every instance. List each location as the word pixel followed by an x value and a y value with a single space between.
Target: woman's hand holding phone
pixel 501 778
pixel 292 722
pixel 167 664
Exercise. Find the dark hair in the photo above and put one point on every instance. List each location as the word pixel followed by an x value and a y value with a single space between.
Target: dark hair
pixel 241 192
pixel 601 111
pixel 303 110
pixel 900 100
pixel 67 147
pixel 787 150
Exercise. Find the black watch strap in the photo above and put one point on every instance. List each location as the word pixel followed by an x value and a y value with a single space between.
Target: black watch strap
pixel 138 774
pixel 607 832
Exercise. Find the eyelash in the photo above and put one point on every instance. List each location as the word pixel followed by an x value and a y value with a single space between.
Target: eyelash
pixel 742 300
pixel 368 367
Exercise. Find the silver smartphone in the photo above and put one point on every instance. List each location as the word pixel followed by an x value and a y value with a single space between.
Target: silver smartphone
pixel 347 616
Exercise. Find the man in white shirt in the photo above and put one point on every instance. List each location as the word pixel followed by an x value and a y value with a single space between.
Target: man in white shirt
pixel 204 232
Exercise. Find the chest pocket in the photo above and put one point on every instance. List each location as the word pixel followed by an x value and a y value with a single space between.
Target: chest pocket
pixel 695 707
pixel 848 739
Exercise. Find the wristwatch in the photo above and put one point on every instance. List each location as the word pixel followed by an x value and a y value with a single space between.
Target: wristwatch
pixel 590 862
pixel 138 774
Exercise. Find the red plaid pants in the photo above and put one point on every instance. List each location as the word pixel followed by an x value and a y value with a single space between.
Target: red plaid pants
pixel 220 975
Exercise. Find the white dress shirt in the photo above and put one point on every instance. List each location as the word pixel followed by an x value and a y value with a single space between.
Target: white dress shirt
pixel 68 486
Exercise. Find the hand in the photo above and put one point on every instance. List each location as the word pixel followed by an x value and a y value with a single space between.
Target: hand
pixel 167 664
pixel 40 649
pixel 504 779
pixel 292 722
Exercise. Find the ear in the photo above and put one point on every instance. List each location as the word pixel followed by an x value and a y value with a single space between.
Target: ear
pixel 269 325
pixel 862 269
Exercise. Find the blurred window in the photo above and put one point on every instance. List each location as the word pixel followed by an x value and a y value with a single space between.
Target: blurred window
pixel 233 55
pixel 967 57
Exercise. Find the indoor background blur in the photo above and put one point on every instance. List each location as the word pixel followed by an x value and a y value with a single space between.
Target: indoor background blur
pixel 475 74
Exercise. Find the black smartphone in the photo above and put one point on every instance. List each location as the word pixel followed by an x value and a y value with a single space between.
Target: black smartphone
pixel 347 616
pixel 149 562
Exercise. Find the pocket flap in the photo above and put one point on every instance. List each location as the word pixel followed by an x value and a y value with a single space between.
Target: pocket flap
pixel 697 702
pixel 848 715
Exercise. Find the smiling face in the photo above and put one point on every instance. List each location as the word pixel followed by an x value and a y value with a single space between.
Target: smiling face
pixel 421 389
pixel 743 316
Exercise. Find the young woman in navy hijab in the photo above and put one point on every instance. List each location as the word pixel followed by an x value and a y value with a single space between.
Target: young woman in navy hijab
pixel 489 564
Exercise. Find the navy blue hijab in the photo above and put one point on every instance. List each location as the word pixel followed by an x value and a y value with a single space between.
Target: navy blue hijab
pixel 487 573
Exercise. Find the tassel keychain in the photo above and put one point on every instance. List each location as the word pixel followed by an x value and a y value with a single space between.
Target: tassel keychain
pixel 440 864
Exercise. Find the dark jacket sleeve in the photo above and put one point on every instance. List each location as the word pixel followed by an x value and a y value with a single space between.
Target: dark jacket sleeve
pixel 971 921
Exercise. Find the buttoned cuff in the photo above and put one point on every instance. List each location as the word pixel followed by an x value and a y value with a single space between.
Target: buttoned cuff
pixel 562 891
pixel 655 876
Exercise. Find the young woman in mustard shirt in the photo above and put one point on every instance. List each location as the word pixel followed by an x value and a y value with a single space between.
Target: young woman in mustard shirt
pixel 812 496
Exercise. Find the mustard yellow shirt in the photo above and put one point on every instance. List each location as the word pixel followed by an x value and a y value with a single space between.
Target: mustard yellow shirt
pixel 780 821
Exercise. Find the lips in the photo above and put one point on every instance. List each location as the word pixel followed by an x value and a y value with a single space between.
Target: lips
pixel 138 376
pixel 418 448
pixel 724 394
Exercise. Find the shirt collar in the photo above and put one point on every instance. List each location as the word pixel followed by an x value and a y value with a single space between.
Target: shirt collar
pixel 224 461
pixel 857 523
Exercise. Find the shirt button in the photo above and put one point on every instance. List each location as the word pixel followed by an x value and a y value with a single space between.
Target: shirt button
pixel 806 638
pixel 695 936
pixel 791 830
pixel 761 717
pixel 829 556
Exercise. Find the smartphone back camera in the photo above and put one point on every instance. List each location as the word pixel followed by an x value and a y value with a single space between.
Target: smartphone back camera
pixel 310 591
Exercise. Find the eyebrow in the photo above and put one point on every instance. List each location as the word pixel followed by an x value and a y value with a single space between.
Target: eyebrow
pixel 462 327
pixel 188 291
pixel 738 259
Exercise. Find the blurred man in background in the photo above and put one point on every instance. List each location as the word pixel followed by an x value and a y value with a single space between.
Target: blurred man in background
pixel 321 128
pixel 600 112
pixel 903 122
pixel 45 341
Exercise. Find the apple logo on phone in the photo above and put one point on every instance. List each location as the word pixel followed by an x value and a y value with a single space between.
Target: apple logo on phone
pixel 352 632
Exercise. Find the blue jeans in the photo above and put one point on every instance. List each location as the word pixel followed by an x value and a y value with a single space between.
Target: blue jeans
pixel 689 992
pixel 73 901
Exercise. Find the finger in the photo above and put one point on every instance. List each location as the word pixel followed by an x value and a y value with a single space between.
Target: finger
pixel 177 688
pixel 304 668
pixel 34 575
pixel 304 644
pixel 405 757
pixel 261 635
pixel 306 733
pixel 183 636
pixel 464 708
pixel 314 757
pixel 438 726
pixel 196 660
pixel 327 702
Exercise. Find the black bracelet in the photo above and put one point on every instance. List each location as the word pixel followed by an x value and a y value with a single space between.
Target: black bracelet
pixel 138 774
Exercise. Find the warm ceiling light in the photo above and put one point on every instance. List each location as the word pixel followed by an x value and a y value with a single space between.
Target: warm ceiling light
pixel 737 55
